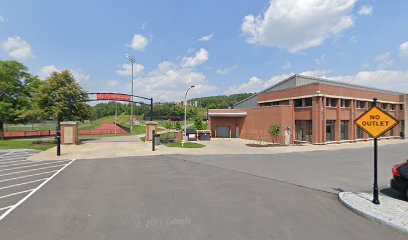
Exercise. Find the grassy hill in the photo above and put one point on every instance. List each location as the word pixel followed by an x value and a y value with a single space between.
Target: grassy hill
pixel 121 119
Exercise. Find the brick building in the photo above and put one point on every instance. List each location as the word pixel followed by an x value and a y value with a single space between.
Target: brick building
pixel 308 109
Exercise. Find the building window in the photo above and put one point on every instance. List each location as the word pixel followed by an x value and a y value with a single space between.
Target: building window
pixel 331 102
pixel 298 102
pixel 384 106
pixel 401 107
pixel 344 130
pixel 392 107
pixel 345 103
pixel 303 130
pixel 359 133
pixel 402 127
pixel 275 103
pixel 330 130
pixel 360 104
pixel 308 102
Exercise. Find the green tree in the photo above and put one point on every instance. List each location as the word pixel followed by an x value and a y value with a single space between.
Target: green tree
pixel 178 126
pixel 198 124
pixel 168 125
pixel 16 85
pixel 275 131
pixel 52 98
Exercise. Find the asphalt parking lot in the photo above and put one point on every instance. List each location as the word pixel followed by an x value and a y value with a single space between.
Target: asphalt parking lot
pixel 20 178
pixel 165 197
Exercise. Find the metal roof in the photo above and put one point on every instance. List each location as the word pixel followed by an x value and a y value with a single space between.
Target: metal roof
pixel 301 80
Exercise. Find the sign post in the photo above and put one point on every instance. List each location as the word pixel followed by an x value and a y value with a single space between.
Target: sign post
pixel 375 122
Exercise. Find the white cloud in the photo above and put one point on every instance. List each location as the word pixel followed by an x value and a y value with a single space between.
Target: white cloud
pixel 47 70
pixel 139 42
pixel 2 19
pixel 296 25
pixel 256 84
pixel 126 69
pixel 206 38
pixel 403 50
pixel 383 60
pixel 287 65
pixel 226 71
pixel 112 83
pixel 200 57
pixel 18 48
pixel 365 10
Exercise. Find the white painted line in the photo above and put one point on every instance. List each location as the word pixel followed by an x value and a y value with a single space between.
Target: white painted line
pixel 17 193
pixel 1 209
pixel 13 162
pixel 12 159
pixel 16 164
pixel 35 165
pixel 24 183
pixel 34 191
pixel 30 170
pixel 26 176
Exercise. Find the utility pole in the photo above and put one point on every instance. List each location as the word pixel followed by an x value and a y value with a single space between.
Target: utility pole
pixel 132 60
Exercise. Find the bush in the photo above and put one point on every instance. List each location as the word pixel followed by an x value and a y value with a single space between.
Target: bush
pixel 198 124
pixel 178 126
pixel 167 137
pixel 275 131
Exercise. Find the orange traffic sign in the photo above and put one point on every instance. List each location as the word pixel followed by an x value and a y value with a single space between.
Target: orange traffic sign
pixel 376 122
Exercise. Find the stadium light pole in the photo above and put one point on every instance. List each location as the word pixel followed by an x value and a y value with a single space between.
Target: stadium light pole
pixel 185 111
pixel 132 60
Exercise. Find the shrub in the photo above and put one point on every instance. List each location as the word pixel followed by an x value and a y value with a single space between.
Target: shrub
pixel 275 131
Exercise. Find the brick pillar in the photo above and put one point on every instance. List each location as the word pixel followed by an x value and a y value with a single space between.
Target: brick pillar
pixel 324 138
pixel 352 126
pixel 337 134
pixel 293 130
pixel 316 120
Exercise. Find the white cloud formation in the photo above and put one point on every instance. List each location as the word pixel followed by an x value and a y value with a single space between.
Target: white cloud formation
pixel 139 42
pixel 287 65
pixel 126 69
pixel 383 60
pixel 206 38
pixel 112 83
pixel 296 25
pixel 200 57
pixel 18 48
pixel 365 10
pixel 226 71
pixel 47 70
pixel 403 50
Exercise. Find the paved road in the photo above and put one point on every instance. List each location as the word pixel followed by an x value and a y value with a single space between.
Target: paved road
pixel 20 178
pixel 331 171
pixel 162 197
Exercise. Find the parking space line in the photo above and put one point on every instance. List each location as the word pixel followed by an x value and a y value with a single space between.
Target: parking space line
pixel 4 208
pixel 1 164
pixel 34 191
pixel 26 176
pixel 12 158
pixel 16 193
pixel 35 165
pixel 18 163
pixel 31 170
pixel 24 183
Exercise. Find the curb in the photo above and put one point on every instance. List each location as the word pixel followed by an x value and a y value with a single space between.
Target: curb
pixel 369 216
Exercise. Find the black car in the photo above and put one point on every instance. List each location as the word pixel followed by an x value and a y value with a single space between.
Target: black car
pixel 400 180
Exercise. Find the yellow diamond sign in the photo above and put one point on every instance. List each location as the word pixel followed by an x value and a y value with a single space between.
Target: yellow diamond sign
pixel 376 122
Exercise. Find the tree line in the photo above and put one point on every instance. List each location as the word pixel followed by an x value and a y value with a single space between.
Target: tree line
pixel 220 102
pixel 25 98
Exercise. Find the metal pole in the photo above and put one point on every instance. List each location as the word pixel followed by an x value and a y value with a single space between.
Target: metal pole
pixel 185 113
pixel 153 139
pixel 151 109
pixel 59 138
pixel 375 185
pixel 69 108
pixel 116 114
pixel 131 106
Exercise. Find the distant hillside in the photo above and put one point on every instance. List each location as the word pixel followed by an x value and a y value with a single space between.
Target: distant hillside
pixel 220 102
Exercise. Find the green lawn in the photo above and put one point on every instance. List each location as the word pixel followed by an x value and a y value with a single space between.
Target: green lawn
pixel 186 145
pixel 89 126
pixel 26 144
pixel 111 119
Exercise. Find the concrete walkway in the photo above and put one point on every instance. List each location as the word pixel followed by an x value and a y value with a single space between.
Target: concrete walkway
pixel 113 149
pixel 390 212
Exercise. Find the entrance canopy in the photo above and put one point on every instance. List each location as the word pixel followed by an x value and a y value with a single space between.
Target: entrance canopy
pixel 227 114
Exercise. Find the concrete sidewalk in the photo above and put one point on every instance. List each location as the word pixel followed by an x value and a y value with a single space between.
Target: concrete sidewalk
pixel 391 212
pixel 112 149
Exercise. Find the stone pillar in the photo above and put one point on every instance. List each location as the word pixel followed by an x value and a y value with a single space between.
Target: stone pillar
pixel 69 133
pixel 338 121
pixel 405 109
pixel 150 126
pixel 316 120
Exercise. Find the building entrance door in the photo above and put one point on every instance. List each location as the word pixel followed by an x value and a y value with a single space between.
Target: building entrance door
pixel 223 132
pixel 237 132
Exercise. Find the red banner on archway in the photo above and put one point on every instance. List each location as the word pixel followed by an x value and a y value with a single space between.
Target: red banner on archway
pixel 113 97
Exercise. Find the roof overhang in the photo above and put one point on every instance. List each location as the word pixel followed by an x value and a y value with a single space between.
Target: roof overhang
pixel 225 114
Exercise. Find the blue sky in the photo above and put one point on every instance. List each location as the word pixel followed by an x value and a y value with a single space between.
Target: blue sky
pixel 222 47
